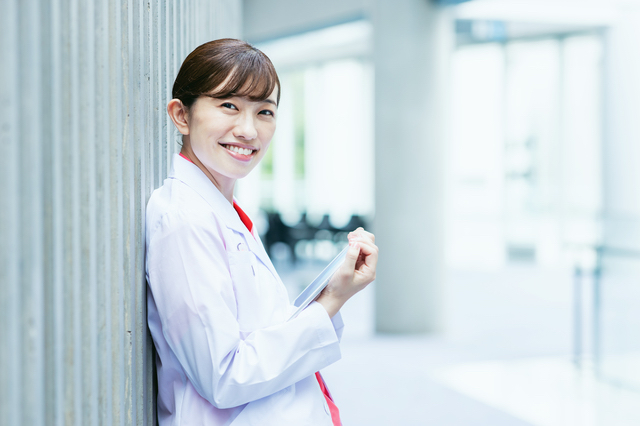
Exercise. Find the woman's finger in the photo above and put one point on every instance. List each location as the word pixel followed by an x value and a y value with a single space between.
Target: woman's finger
pixel 361 234
pixel 366 246
pixel 368 255
pixel 350 260
pixel 371 256
pixel 368 235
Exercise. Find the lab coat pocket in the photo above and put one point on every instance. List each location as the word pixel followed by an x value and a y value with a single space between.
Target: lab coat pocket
pixel 249 301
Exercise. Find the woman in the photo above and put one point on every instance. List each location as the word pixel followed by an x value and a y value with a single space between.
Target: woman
pixel 217 310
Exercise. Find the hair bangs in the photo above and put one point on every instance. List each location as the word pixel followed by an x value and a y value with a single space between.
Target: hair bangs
pixel 253 77
pixel 225 68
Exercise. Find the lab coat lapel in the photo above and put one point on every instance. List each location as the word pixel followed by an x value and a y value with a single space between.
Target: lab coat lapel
pixel 255 245
pixel 254 242
pixel 192 176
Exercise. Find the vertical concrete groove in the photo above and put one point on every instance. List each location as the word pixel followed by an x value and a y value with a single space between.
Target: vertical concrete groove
pixel 85 139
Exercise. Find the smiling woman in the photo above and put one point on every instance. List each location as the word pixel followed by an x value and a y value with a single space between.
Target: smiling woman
pixel 217 309
pixel 224 103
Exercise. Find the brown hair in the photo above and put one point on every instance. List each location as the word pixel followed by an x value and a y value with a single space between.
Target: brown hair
pixel 224 68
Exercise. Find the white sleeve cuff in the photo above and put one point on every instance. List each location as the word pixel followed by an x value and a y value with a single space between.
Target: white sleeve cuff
pixel 338 325
pixel 326 329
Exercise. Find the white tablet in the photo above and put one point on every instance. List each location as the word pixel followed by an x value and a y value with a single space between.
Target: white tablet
pixel 312 291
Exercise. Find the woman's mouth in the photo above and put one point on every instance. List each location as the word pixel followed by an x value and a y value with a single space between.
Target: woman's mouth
pixel 243 153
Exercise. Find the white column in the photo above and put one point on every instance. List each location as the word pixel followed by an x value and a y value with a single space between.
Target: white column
pixel 412 44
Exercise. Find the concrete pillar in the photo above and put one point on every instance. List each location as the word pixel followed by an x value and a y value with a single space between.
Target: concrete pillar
pixel 412 44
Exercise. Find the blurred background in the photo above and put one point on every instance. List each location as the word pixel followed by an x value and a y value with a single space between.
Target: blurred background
pixel 491 146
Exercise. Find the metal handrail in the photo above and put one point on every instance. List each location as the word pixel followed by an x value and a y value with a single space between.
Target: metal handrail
pixel 596 274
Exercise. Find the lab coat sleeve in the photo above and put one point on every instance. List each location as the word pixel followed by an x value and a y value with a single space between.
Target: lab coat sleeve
pixel 338 324
pixel 194 294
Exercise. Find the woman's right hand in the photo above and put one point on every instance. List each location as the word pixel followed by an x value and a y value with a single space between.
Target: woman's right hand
pixel 356 272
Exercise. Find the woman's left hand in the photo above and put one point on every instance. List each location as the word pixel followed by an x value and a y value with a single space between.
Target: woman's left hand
pixel 357 271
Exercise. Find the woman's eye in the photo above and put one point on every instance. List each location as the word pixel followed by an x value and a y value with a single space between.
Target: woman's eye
pixel 266 112
pixel 229 105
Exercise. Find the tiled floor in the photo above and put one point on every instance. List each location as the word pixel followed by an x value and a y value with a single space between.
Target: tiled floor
pixel 545 391
pixel 504 360
pixel 389 381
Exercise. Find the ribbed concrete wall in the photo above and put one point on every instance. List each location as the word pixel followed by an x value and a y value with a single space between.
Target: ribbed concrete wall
pixel 85 139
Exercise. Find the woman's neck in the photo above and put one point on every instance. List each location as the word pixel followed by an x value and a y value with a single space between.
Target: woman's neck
pixel 226 190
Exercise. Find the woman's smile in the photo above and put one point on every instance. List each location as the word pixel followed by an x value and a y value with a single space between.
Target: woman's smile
pixel 239 152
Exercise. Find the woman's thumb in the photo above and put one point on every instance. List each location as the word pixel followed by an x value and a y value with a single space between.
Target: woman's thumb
pixel 352 256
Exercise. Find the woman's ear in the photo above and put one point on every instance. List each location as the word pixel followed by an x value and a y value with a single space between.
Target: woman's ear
pixel 178 114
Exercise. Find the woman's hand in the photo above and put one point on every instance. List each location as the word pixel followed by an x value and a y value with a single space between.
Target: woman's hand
pixel 356 272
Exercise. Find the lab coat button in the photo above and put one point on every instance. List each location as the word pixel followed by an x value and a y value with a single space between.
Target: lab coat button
pixel 326 408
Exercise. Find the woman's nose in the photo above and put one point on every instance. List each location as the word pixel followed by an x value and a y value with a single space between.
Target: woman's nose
pixel 245 127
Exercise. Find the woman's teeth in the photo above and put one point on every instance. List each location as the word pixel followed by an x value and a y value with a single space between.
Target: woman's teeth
pixel 243 151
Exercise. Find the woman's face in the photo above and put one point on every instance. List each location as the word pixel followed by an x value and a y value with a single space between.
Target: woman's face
pixel 230 136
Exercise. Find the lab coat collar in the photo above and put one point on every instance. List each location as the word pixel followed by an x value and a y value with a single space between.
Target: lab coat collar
pixel 191 175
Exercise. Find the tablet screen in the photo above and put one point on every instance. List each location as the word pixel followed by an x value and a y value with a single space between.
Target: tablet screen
pixel 312 291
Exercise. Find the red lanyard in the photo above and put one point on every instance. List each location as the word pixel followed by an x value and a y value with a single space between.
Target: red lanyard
pixel 335 413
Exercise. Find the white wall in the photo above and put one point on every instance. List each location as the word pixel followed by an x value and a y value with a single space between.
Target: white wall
pixel 622 131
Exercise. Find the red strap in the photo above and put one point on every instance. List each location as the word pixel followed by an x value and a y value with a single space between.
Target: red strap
pixel 243 217
pixel 333 408
pixel 185 157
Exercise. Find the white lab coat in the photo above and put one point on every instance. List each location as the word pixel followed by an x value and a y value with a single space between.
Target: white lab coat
pixel 217 313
